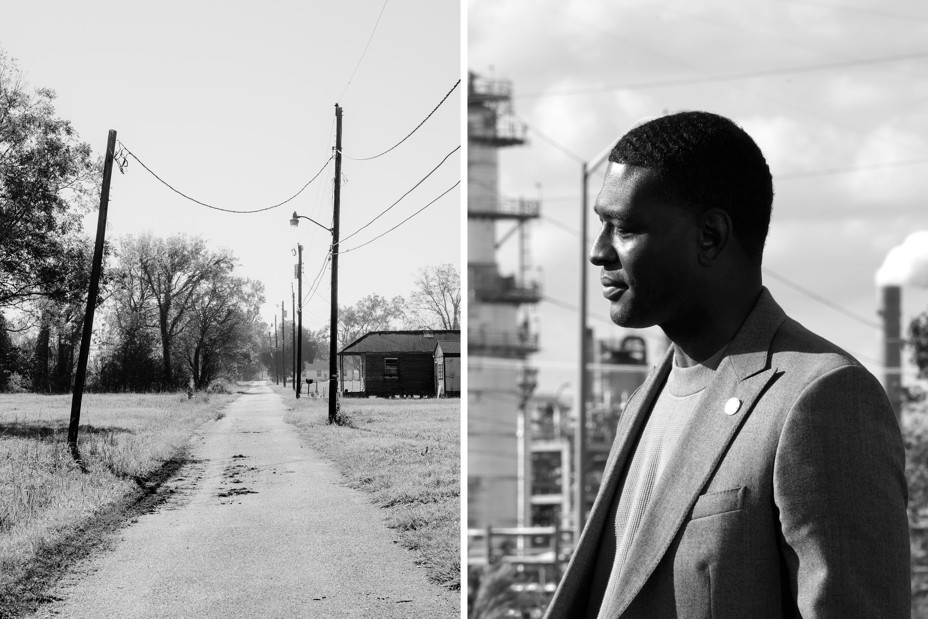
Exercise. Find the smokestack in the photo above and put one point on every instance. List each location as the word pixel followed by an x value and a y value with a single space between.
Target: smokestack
pixel 891 311
pixel 904 265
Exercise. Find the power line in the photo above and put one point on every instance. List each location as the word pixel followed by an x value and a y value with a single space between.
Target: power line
pixel 379 215
pixel 217 208
pixel 552 141
pixel 318 279
pixel 408 135
pixel 688 81
pixel 850 169
pixel 445 192
pixel 855 9
pixel 822 300
pixel 369 39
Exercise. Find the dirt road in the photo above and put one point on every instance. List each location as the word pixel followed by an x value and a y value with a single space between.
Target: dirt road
pixel 258 526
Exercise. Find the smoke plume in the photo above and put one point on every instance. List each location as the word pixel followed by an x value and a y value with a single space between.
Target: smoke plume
pixel 906 264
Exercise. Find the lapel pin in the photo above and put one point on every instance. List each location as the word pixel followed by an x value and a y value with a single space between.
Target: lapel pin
pixel 732 406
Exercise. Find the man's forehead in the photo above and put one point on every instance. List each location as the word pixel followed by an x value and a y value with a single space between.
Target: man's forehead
pixel 623 183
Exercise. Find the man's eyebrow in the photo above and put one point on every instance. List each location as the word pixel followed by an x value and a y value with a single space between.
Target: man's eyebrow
pixel 606 213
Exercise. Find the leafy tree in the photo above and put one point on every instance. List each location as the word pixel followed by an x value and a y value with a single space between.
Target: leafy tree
pixel 371 313
pixel 918 340
pixel 436 301
pixel 175 271
pixel 46 178
pixel 220 335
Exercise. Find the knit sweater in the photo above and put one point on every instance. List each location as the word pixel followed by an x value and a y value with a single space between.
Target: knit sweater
pixel 658 440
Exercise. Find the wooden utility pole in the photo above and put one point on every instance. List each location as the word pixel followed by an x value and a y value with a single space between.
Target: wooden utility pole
pixel 96 267
pixel 293 333
pixel 299 317
pixel 580 457
pixel 283 340
pixel 274 355
pixel 333 320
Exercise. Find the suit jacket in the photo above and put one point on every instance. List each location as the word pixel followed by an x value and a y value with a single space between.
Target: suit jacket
pixel 794 504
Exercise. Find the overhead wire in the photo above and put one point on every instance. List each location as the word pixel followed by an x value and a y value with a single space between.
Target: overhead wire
pixel 440 196
pixel 708 79
pixel 408 135
pixel 821 299
pixel 218 208
pixel 363 53
pixel 379 215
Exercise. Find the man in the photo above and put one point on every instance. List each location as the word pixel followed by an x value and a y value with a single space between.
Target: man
pixel 759 470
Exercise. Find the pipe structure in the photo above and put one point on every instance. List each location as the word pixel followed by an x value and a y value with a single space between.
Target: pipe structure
pixel 892 345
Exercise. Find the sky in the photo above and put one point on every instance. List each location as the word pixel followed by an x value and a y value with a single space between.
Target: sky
pixel 833 93
pixel 233 103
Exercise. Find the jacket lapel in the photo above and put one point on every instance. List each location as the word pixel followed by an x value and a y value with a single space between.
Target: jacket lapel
pixel 743 374
pixel 583 561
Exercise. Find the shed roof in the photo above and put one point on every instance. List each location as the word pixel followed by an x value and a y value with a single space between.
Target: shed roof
pixel 450 347
pixel 420 341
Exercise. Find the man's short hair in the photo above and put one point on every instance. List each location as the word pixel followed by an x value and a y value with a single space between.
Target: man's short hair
pixel 707 161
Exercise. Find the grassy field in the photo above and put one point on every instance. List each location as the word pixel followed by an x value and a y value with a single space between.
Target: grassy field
pixel 406 454
pixel 50 511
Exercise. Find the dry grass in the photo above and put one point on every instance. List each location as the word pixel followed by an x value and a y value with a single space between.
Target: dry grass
pixel 124 441
pixel 406 454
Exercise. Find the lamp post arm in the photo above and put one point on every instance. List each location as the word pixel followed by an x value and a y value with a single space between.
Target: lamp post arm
pixel 295 217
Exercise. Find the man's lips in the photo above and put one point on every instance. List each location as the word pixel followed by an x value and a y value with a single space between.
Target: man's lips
pixel 613 289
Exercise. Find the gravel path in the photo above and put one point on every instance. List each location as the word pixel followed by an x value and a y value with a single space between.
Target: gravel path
pixel 258 526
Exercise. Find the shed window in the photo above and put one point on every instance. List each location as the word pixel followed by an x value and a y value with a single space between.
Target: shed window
pixel 391 367
pixel 440 367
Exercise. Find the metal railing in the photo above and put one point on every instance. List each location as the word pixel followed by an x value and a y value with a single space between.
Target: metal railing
pixel 504 207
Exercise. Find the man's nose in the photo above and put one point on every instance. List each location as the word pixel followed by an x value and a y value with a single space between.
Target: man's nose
pixel 602 253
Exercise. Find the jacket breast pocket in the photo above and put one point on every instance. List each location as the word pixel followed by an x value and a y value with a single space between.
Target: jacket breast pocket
pixel 715 503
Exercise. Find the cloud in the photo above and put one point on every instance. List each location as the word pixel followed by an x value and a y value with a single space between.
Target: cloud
pixel 887 185
pixel 906 264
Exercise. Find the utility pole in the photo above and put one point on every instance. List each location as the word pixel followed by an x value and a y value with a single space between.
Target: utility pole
pixel 580 432
pixel 276 345
pixel 270 347
pixel 283 341
pixel 333 320
pixel 299 314
pixel 293 333
pixel 96 266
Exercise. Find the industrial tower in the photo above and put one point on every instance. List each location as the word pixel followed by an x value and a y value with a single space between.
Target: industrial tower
pixel 501 319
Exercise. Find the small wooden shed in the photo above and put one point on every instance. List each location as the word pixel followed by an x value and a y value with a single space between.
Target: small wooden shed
pixel 448 368
pixel 396 363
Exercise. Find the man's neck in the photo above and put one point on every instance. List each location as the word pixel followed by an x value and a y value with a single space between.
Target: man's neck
pixel 711 328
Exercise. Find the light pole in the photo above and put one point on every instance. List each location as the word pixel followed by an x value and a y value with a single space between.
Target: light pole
pixel 298 379
pixel 295 221
pixel 588 167
pixel 333 320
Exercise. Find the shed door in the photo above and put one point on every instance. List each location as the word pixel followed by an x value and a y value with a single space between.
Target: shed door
pixel 453 373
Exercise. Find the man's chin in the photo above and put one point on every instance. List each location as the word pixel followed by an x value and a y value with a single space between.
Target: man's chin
pixel 624 316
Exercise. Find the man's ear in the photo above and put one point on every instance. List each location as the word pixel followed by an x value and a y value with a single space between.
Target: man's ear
pixel 715 233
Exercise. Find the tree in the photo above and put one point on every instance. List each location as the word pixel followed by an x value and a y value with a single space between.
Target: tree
pixel 46 178
pixel 436 301
pixel 371 313
pixel 918 340
pixel 175 270
pixel 221 334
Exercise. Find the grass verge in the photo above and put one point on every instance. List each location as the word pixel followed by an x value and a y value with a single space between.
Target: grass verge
pixel 406 454
pixel 51 513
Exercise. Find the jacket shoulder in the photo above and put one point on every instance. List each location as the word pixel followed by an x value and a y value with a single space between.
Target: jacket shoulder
pixel 798 350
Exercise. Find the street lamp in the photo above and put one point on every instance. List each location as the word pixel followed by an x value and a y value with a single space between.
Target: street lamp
pixel 583 387
pixel 333 342
pixel 588 167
